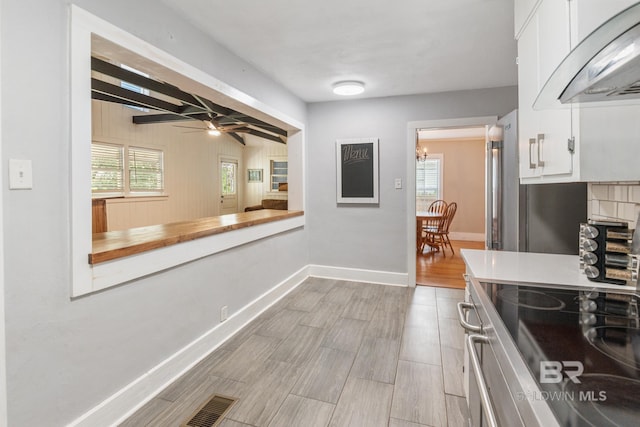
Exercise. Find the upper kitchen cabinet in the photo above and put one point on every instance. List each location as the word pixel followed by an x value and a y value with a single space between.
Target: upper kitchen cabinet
pixel 570 142
pixel 587 15
pixel 523 9
pixel 545 137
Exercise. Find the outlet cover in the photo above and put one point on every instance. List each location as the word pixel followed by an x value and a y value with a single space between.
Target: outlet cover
pixel 224 313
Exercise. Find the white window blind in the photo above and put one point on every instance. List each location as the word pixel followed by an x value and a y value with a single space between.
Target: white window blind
pixel 279 174
pixel 429 178
pixel 146 170
pixel 107 168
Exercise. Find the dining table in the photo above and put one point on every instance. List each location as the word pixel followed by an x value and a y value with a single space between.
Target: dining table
pixel 421 218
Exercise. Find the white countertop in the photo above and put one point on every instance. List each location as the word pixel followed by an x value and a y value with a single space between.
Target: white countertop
pixel 502 266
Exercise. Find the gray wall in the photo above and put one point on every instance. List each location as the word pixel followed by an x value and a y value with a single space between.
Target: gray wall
pixel 63 356
pixel 375 237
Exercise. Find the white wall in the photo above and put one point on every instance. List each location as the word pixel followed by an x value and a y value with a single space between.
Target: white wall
pixel 368 237
pixel 66 356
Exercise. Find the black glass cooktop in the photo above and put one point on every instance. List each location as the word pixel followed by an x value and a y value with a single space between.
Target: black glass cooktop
pixel 582 347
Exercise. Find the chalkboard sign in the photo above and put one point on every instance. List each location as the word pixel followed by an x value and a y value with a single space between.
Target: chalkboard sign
pixel 357 170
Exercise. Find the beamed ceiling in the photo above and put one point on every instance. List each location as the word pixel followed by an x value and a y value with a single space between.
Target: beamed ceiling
pixel 169 104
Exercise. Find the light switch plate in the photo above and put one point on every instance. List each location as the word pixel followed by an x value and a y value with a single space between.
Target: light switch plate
pixel 20 174
pixel 398 183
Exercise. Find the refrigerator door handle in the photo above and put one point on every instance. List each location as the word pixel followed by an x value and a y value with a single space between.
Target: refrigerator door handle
pixel 494 205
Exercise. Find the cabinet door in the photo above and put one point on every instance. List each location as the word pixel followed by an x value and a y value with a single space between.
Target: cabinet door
pixel 554 124
pixel 522 10
pixel 527 92
pixel 587 15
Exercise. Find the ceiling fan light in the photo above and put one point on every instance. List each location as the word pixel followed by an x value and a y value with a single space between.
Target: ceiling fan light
pixel 213 132
pixel 348 88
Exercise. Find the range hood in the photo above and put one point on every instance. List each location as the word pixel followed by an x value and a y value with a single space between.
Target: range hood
pixel 605 66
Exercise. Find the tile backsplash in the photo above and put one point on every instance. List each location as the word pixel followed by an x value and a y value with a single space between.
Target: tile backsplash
pixel 619 201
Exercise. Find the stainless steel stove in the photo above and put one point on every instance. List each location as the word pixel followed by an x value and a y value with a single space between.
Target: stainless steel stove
pixel 577 361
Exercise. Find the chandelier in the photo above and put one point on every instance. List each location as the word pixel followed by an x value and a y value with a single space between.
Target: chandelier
pixel 421 154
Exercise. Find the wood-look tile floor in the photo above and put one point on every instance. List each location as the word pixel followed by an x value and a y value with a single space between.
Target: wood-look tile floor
pixel 333 353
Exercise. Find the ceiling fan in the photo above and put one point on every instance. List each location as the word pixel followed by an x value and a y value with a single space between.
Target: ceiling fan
pixel 209 127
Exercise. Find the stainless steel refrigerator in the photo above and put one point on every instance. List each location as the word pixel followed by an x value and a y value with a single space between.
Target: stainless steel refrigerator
pixel 528 218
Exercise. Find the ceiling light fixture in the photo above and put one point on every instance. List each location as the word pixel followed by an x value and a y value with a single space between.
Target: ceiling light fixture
pixel 348 88
pixel 212 129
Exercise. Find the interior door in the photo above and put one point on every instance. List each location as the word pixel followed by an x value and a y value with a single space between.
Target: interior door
pixel 228 186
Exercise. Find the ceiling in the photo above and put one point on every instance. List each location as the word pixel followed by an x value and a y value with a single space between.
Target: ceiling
pixel 395 48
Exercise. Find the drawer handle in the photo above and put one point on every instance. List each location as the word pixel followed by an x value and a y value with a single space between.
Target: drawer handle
pixel 462 307
pixel 540 141
pixel 532 141
pixel 485 399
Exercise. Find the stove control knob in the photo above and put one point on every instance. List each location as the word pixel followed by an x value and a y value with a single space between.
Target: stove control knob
pixel 589 306
pixel 588 319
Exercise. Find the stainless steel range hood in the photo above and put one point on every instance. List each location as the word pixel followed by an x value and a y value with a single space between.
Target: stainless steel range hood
pixel 605 66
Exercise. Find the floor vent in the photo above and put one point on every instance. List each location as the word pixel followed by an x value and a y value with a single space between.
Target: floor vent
pixel 210 413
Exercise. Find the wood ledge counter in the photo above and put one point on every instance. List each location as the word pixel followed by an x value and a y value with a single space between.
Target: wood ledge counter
pixel 111 245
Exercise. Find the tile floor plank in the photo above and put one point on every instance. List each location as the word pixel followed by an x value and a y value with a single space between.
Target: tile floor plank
pixel 419 394
pixel 421 345
pixel 237 364
pixel 300 411
pixel 363 403
pixel 457 411
pixel 452 361
pixel 377 360
pixel 325 375
pixel 264 394
pixel 299 346
pixel 346 334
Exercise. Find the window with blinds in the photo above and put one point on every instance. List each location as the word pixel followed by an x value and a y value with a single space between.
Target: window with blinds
pixel 146 171
pixel 279 174
pixel 429 178
pixel 107 169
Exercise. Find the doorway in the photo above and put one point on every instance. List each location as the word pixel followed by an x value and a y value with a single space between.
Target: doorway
pixel 437 270
pixel 228 185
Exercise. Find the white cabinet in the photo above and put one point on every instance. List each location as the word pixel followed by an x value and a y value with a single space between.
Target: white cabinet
pixel 605 138
pixel 523 9
pixel 587 15
pixel 543 135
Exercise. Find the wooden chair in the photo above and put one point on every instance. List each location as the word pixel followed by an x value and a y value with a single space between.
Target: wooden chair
pixel 439 237
pixel 437 206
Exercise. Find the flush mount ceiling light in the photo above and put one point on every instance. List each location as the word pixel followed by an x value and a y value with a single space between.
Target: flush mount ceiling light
pixel 348 88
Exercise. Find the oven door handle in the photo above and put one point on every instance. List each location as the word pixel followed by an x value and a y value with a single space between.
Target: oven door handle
pixel 462 306
pixel 477 370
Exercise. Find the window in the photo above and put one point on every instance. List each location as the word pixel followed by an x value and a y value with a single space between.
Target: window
pixel 228 172
pixel 428 180
pixel 134 88
pixel 279 172
pixel 146 172
pixel 107 169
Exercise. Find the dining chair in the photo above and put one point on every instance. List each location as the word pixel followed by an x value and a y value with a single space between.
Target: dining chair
pixel 439 237
pixel 437 206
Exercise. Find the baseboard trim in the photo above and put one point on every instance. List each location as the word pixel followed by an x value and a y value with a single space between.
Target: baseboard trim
pixel 125 402
pixel 121 405
pixel 359 275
